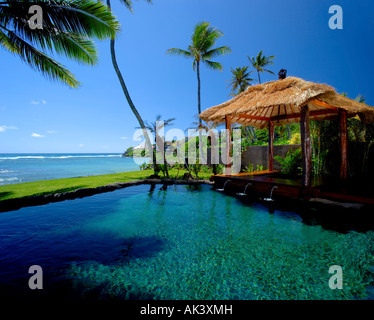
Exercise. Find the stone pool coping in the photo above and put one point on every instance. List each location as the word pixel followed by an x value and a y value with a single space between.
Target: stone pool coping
pixel 36 200
pixel 18 203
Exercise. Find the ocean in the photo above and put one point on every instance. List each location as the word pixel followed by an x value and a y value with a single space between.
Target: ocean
pixel 18 168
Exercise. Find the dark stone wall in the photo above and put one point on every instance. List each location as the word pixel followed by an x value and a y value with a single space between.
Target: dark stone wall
pixel 258 155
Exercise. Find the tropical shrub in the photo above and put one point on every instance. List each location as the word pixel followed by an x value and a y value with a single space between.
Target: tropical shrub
pixel 291 164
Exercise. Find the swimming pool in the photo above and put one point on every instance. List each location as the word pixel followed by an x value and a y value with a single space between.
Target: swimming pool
pixel 185 242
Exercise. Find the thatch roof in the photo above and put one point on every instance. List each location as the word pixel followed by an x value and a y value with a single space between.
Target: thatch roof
pixel 280 101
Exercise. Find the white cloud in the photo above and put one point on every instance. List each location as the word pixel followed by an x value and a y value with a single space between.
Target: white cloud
pixel 51 131
pixel 124 138
pixel 4 128
pixel 38 102
pixel 36 135
pixel 81 145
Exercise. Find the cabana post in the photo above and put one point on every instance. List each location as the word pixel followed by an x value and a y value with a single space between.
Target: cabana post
pixel 271 145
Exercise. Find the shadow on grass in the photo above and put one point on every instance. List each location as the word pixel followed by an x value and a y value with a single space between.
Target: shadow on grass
pixel 5 195
pixel 15 203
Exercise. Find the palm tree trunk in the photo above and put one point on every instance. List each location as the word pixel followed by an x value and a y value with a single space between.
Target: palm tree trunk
pixel 259 80
pixel 199 111
pixel 198 89
pixel 165 162
pixel 127 95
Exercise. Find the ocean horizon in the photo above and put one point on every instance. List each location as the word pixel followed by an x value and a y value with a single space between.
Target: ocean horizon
pixel 27 167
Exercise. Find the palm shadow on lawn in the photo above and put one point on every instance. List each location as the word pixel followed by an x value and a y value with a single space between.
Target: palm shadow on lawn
pixel 5 194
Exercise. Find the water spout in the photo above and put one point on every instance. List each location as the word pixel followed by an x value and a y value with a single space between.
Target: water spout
pixel 224 185
pixel 271 194
pixel 245 189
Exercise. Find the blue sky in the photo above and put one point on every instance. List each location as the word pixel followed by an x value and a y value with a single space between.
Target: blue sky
pixel 40 116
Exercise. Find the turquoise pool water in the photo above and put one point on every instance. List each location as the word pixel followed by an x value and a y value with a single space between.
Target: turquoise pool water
pixel 179 243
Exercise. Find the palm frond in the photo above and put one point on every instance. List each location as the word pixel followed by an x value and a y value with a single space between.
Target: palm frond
pixel 67 28
pixel 128 4
pixel 216 52
pixel 179 52
pixel 37 59
pixel 269 71
pixel 213 65
pixel 86 17
pixel 73 46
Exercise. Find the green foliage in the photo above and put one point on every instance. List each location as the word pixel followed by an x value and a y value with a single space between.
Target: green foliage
pixel 129 152
pixel 163 169
pixel 196 169
pixel 206 169
pixel 156 169
pixel 145 166
pixel 250 168
pixel 291 163
pixel 295 138
pixel 325 147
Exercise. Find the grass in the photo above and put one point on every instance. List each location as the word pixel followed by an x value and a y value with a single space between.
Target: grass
pixel 21 190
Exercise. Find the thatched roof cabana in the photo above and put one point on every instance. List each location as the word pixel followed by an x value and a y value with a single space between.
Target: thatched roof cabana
pixel 290 100
pixel 280 102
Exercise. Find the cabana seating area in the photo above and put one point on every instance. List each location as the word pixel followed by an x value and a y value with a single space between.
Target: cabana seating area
pixel 290 100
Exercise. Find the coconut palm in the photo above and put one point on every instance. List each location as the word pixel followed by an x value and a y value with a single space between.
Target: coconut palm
pixel 155 127
pixel 128 5
pixel 201 51
pixel 260 62
pixel 240 80
pixel 67 27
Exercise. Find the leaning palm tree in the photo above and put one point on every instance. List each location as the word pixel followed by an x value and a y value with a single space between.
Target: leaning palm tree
pixel 240 80
pixel 260 62
pixel 67 27
pixel 155 127
pixel 128 5
pixel 201 51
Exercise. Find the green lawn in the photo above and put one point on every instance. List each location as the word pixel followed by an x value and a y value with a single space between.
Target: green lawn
pixel 26 189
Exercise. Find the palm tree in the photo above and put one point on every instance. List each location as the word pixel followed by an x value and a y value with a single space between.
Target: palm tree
pixel 128 5
pixel 260 62
pixel 240 80
pixel 155 127
pixel 201 51
pixel 66 29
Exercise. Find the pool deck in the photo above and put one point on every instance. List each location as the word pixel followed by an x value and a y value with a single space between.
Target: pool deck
pixel 321 187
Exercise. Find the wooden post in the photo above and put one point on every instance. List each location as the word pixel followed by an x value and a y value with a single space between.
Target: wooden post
pixel 271 146
pixel 228 145
pixel 343 144
pixel 306 146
